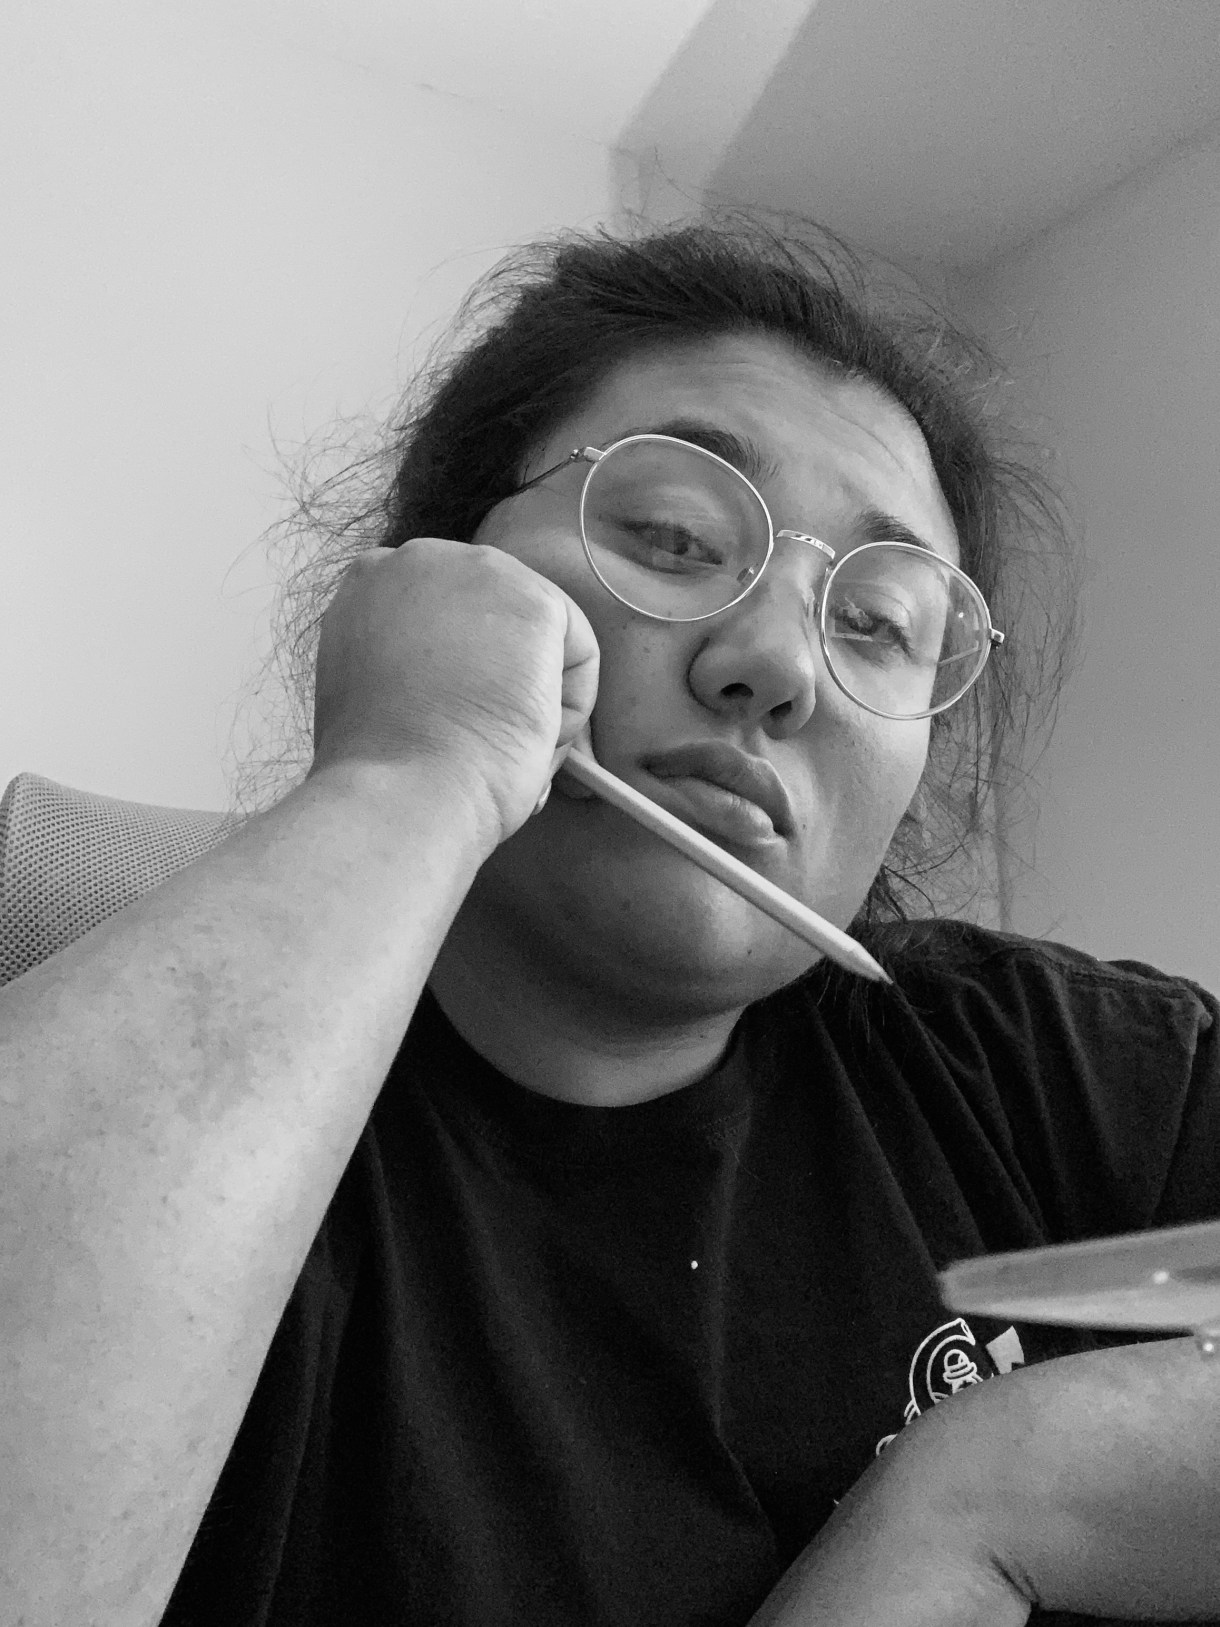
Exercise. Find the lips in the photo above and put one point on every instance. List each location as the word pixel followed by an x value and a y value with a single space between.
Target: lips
pixel 733 770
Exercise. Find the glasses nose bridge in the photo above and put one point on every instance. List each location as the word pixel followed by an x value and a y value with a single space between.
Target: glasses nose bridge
pixel 812 547
pixel 823 548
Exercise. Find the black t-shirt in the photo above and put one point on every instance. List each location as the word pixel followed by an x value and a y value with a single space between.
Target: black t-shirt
pixel 607 1367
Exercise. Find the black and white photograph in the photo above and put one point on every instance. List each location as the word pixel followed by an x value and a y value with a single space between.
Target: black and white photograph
pixel 609 835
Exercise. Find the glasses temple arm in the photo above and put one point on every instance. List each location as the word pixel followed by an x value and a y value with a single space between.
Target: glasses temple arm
pixel 579 454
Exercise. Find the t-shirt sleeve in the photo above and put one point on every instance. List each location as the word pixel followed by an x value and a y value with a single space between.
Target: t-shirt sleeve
pixel 1105 1076
pixel 1192 1184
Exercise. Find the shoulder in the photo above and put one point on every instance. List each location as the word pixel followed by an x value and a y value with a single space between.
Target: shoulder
pixel 972 985
pixel 1103 1077
pixel 1045 1017
pixel 958 968
pixel 1108 1070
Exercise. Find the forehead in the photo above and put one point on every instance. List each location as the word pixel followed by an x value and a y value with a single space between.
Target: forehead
pixel 832 447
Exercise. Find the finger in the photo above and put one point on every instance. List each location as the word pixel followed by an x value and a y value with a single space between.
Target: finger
pixel 572 787
pixel 581 669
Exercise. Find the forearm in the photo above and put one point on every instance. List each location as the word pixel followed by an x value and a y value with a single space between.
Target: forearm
pixel 909 1545
pixel 1087 1484
pixel 180 1092
pixel 1112 1464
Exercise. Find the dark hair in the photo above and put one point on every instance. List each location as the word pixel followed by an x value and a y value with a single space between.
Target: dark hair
pixel 535 338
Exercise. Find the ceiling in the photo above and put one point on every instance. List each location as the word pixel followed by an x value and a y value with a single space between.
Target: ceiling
pixel 577 67
pixel 954 130
pixel 932 130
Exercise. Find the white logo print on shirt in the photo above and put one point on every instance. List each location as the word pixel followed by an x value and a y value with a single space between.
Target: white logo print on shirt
pixel 947 1361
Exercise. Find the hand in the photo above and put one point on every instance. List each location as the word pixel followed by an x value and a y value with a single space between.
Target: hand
pixel 908 1546
pixel 460 657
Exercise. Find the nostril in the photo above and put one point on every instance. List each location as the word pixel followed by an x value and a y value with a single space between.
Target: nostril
pixel 737 692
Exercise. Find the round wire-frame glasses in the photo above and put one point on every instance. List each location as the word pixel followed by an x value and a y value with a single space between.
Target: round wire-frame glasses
pixel 596 457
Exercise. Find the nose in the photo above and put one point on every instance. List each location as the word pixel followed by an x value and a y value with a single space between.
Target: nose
pixel 760 662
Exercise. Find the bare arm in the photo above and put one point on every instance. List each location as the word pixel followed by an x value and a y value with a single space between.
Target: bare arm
pixel 181 1090
pixel 1087 1484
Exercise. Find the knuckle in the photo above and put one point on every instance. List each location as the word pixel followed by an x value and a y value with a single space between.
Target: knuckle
pixel 365 561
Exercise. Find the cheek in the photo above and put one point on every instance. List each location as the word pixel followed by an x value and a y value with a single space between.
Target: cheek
pixel 550 546
pixel 641 682
pixel 539 543
pixel 872 778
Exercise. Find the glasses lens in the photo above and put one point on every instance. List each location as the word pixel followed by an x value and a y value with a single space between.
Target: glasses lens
pixel 905 634
pixel 671 530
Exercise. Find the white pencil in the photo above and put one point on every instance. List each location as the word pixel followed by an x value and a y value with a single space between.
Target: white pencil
pixel 776 903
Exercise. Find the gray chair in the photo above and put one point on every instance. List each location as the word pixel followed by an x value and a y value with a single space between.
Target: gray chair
pixel 69 859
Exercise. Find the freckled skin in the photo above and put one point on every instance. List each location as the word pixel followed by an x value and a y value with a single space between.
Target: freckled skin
pixel 580 893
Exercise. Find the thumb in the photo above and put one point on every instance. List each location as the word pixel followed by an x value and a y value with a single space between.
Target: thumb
pixel 582 741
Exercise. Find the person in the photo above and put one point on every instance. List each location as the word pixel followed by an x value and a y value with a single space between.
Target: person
pixel 445 1203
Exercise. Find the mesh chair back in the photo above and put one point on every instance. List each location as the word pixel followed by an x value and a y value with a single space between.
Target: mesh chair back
pixel 69 859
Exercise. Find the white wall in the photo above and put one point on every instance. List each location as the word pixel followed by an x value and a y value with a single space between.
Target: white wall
pixel 1112 324
pixel 210 235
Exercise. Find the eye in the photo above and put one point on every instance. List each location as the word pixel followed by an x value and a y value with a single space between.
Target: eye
pixel 869 626
pixel 665 545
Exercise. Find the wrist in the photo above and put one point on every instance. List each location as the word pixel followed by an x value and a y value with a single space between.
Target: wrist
pixel 415 800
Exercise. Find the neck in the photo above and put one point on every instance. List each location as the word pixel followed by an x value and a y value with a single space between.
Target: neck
pixel 577 1041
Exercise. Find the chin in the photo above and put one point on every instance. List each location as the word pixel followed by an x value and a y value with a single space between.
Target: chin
pixel 708 959
pixel 640 917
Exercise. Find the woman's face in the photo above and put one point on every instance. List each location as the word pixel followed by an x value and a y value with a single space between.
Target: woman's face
pixel 584 884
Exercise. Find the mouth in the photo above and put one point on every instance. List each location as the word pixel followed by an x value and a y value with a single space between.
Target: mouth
pixel 725 792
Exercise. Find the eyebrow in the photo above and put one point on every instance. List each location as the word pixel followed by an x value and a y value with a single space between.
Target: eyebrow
pixel 746 456
pixel 875 525
pixel 870 525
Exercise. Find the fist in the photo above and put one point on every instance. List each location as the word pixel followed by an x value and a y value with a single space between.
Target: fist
pixel 458 657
